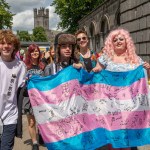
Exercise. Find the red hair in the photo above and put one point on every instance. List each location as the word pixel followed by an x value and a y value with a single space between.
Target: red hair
pixel 28 58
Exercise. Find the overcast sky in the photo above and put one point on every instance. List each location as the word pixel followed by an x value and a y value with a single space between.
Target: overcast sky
pixel 24 20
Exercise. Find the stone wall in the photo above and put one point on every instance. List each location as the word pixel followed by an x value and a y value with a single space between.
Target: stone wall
pixel 134 15
pixel 99 22
pixel 41 18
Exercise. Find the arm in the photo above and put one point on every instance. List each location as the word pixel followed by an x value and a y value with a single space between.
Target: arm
pixel 78 65
pixel 98 67
pixel 45 58
pixel 101 63
pixel 146 65
pixel 47 55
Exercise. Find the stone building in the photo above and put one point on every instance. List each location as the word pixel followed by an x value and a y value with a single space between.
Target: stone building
pixel 133 15
pixel 41 18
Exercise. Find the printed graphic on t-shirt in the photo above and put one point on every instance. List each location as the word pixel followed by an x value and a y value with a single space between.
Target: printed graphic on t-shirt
pixel 12 81
pixel 35 72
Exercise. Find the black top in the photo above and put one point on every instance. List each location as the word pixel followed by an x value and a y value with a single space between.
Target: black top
pixel 88 64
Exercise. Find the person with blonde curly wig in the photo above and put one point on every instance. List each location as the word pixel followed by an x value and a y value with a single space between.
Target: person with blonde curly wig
pixel 119 55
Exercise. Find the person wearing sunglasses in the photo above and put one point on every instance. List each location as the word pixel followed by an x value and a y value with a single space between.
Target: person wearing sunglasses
pixel 86 57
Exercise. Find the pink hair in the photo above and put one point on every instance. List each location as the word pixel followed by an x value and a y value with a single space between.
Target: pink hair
pixel 131 56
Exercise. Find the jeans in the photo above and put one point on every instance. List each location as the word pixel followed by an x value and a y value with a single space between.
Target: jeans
pixel 8 136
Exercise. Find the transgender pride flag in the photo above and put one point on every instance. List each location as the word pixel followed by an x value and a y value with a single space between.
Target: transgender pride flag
pixel 76 110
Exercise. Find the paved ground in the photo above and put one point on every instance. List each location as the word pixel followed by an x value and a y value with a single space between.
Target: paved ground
pixel 25 142
pixel 144 148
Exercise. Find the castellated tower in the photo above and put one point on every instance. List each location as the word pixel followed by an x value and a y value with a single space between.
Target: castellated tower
pixel 41 18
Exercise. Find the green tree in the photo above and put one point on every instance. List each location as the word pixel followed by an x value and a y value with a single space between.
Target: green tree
pixel 24 36
pixel 6 16
pixel 71 11
pixel 39 34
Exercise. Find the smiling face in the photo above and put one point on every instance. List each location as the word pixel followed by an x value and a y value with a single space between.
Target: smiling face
pixel 65 51
pixel 119 44
pixel 82 40
pixel 35 54
pixel 6 49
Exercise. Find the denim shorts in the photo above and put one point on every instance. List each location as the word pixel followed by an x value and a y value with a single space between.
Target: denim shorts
pixel 1 128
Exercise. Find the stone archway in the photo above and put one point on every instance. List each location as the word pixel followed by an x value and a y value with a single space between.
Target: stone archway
pixel 117 18
pixel 104 29
pixel 92 33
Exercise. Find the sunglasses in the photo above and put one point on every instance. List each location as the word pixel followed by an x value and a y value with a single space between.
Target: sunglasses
pixel 83 38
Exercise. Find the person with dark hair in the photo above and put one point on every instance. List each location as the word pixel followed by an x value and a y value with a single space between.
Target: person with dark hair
pixel 64 52
pixel 34 67
pixel 56 40
pixel 12 73
pixel 61 57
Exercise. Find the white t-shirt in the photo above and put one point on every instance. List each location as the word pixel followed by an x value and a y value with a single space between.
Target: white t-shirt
pixel 12 76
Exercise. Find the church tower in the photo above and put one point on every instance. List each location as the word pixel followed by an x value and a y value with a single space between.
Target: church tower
pixel 41 18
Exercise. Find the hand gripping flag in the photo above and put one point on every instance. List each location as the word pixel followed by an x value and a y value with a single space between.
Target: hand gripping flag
pixel 76 110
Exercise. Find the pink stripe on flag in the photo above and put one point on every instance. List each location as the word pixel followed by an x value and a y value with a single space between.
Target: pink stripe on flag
pixel 89 92
pixel 74 125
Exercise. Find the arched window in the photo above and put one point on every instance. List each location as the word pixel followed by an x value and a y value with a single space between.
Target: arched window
pixel 97 43
pixel 92 36
pixel 104 29
pixel 92 30
pixel 117 18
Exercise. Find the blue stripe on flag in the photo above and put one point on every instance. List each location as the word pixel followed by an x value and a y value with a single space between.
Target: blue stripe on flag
pixel 103 77
pixel 99 137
